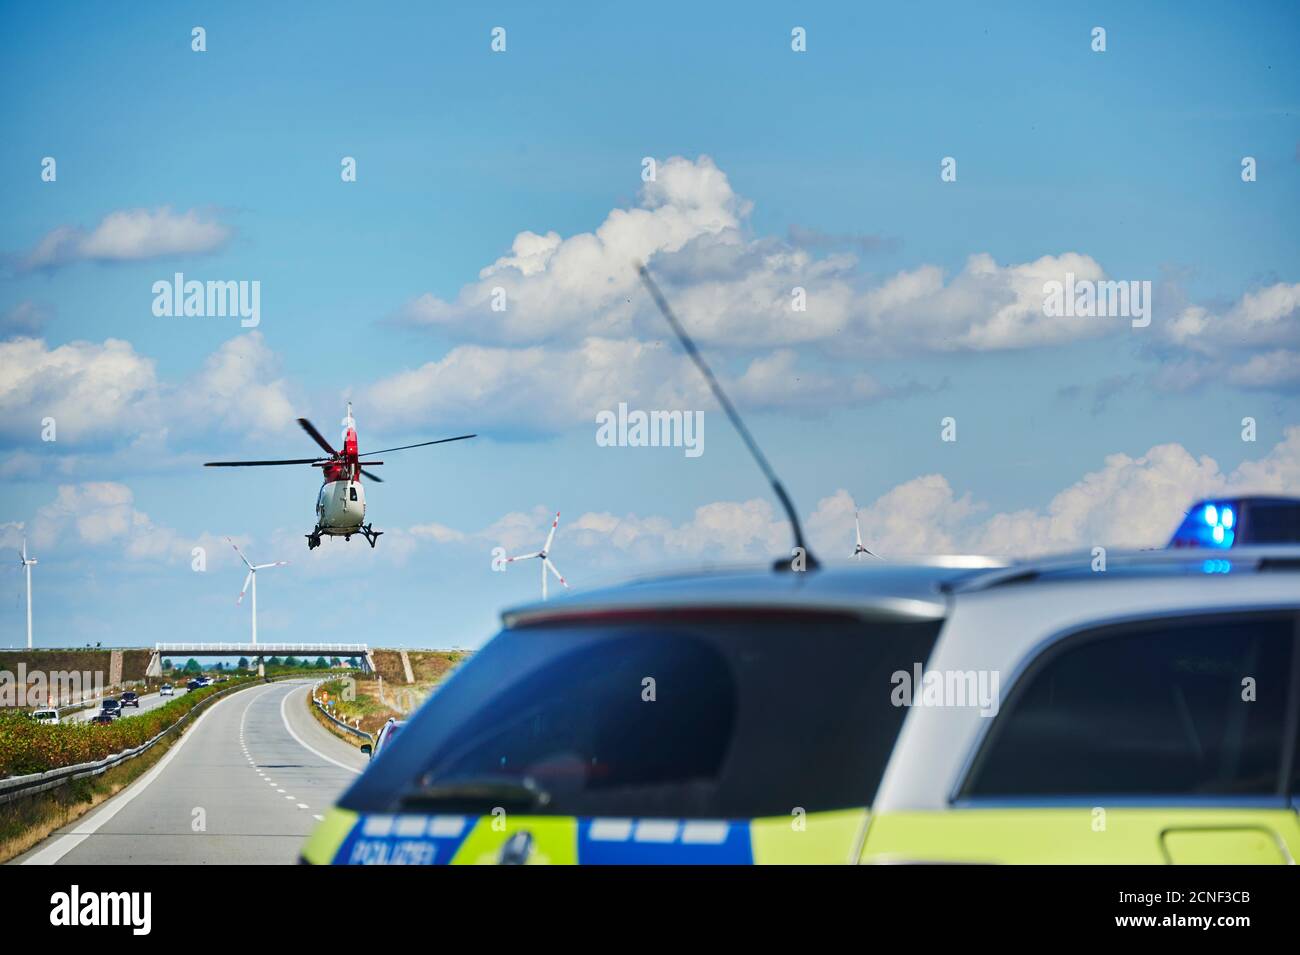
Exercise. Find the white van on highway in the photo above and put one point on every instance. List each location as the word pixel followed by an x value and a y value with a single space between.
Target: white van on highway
pixel 46 716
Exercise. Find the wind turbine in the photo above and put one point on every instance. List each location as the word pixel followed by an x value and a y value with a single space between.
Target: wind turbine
pixel 544 554
pixel 252 576
pixel 859 550
pixel 28 563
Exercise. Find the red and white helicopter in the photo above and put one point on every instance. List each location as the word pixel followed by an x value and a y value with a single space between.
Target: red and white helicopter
pixel 341 504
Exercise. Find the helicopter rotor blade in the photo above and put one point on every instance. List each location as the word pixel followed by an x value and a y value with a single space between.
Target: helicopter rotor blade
pixel 317 436
pixel 422 444
pixel 258 464
pixel 371 477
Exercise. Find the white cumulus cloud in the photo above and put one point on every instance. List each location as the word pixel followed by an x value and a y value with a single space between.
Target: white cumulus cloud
pixel 734 289
pixel 128 235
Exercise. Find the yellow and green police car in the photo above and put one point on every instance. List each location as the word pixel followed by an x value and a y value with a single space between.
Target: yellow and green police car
pixel 1144 710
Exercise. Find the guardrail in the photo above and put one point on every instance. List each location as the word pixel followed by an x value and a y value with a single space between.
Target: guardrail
pixel 15 787
pixel 355 731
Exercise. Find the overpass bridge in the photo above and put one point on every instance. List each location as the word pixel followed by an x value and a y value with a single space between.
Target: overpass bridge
pixel 258 651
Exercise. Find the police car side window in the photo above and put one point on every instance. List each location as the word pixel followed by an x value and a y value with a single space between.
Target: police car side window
pixel 1171 707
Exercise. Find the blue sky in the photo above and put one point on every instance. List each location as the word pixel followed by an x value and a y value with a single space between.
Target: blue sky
pixel 775 168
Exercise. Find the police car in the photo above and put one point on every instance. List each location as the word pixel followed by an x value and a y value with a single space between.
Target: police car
pixel 959 710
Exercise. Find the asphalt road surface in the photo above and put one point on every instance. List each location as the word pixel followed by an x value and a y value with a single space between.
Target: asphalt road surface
pixel 147 703
pixel 244 785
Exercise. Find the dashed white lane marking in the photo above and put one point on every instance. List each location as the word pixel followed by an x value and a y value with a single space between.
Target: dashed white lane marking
pixel 284 716
pixel 280 791
pixel 303 805
pixel 318 818
pixel 291 798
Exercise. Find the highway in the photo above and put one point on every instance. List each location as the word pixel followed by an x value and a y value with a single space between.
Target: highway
pixel 147 703
pixel 244 785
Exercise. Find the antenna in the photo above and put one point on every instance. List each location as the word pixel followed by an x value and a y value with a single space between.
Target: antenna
pixel 811 562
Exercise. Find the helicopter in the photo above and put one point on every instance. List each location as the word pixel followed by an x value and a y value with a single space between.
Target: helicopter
pixel 341 503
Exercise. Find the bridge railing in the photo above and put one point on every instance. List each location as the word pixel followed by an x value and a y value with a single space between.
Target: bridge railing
pixel 262 649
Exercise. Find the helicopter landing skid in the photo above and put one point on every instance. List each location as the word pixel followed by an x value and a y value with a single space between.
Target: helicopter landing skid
pixel 365 530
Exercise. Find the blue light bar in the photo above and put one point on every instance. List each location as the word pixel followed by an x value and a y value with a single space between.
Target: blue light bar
pixel 1210 525
pixel 1242 520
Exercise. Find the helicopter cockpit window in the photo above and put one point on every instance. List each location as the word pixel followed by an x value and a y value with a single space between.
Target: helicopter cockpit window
pixel 352 492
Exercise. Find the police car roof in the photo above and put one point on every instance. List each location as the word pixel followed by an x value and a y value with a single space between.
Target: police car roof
pixel 884 590
pixel 874 589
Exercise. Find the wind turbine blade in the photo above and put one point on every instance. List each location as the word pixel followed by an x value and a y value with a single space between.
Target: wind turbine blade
pixel 511 560
pixel 243 591
pixel 240 553
pixel 24 550
pixel 278 563
pixel 857 523
pixel 543 578
pixel 551 536
pixel 555 570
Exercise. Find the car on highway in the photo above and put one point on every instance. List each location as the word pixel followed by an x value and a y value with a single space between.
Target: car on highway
pixel 166 690
pixel 130 698
pixel 102 719
pixel 387 733
pixel 194 685
pixel 1137 710
pixel 46 716
pixel 111 707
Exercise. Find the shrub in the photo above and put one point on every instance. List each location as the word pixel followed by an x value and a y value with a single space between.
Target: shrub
pixel 30 747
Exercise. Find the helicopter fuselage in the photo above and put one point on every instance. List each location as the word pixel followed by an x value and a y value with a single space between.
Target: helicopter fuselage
pixel 341 507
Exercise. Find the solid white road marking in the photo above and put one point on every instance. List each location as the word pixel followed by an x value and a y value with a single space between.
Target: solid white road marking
pixel 88 826
pixel 284 716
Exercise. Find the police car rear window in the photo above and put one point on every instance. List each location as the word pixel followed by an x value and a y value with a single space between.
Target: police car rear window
pixel 720 717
